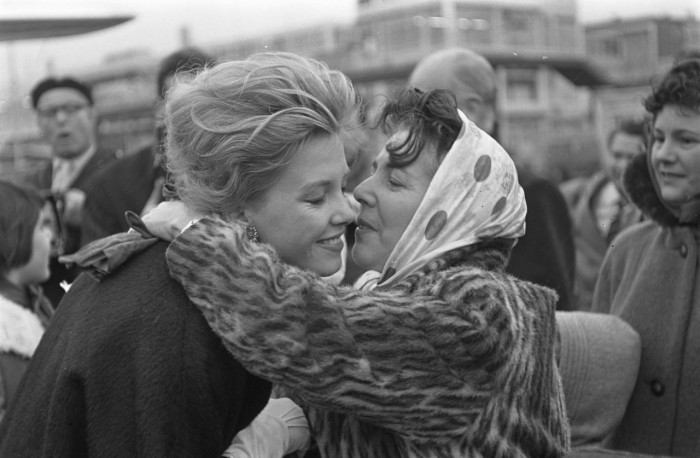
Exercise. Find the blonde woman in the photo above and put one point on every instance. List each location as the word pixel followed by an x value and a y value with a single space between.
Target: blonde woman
pixel 129 367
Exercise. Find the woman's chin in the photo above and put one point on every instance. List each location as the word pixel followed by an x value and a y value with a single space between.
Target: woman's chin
pixel 366 258
pixel 326 269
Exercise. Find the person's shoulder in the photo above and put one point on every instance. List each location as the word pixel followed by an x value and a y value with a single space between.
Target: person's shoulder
pixel 135 163
pixel 149 265
pixel 580 187
pixel 532 184
pixel 635 243
pixel 573 186
pixel 142 277
pixel 476 281
pixel 38 177
pixel 538 188
pixel 118 178
pixel 639 234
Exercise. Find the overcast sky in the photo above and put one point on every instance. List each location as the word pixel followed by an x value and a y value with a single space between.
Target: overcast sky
pixel 157 24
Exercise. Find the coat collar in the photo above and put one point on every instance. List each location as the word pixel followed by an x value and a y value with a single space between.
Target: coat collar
pixel 20 329
pixel 640 187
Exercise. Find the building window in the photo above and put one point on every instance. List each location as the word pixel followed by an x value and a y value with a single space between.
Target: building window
pixel 518 27
pixel 402 34
pixel 637 47
pixel 565 33
pixel 516 21
pixel 611 47
pixel 521 85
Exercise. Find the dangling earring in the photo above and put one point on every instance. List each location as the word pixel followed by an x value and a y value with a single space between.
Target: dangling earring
pixel 252 233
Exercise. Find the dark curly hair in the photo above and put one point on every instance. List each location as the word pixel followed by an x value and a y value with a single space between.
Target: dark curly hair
pixel 680 86
pixel 431 119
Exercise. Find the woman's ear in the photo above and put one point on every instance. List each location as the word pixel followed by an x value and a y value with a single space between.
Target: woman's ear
pixel 242 215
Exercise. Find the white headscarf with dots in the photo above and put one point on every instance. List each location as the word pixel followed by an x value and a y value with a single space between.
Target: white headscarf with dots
pixel 474 196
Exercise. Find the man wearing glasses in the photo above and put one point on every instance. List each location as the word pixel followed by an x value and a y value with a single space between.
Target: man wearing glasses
pixel 67 121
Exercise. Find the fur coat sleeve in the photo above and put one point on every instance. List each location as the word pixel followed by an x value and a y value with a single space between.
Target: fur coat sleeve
pixel 420 360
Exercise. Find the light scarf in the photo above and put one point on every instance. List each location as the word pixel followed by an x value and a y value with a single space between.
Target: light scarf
pixel 474 196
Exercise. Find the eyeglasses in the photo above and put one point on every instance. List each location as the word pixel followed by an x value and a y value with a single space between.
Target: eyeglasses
pixel 70 109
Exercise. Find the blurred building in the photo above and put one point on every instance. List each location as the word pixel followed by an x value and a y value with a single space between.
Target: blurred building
pixel 632 53
pixel 561 85
pixel 536 46
pixel 124 88
pixel 20 145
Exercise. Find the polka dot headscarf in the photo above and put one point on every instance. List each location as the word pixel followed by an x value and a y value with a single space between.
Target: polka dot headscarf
pixel 474 196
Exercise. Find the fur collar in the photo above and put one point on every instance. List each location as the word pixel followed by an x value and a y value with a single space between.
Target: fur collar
pixel 492 255
pixel 20 329
pixel 639 186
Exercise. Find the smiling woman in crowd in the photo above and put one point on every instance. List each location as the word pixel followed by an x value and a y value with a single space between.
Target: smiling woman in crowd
pixel 650 275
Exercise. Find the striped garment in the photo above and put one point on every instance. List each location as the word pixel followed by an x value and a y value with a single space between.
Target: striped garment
pixel 455 361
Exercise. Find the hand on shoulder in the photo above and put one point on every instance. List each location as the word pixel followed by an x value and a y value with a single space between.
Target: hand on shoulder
pixel 169 218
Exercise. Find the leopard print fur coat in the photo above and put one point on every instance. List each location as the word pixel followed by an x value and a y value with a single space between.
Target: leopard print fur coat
pixel 456 361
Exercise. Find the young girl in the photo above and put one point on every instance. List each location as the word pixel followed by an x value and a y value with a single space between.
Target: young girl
pixel 25 245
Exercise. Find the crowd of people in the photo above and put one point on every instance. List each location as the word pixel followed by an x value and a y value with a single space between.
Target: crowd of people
pixel 264 281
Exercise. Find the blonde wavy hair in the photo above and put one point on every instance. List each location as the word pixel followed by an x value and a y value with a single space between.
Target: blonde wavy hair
pixel 234 128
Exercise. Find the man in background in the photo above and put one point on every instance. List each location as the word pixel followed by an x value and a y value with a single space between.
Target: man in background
pixel 135 182
pixel 599 207
pixel 545 254
pixel 67 121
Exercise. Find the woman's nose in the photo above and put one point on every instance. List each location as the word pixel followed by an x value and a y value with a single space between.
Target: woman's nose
pixel 354 204
pixel 664 151
pixel 347 211
pixel 361 192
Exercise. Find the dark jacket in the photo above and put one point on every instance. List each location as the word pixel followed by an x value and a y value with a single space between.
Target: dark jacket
pixel 591 242
pixel 124 185
pixel 129 368
pixel 41 179
pixel 650 278
pixel 545 254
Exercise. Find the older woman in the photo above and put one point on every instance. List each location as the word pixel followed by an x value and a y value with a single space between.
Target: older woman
pixel 448 355
pixel 650 275
pixel 129 367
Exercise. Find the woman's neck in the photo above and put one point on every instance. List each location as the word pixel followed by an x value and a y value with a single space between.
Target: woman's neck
pixel 15 292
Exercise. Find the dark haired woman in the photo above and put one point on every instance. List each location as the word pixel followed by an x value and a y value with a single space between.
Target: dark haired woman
pixel 650 276
pixel 25 248
pixel 444 354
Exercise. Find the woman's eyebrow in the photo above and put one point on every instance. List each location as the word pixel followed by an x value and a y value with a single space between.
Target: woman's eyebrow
pixel 315 184
pixel 683 131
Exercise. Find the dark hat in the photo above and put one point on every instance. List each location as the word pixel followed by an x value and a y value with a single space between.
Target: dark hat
pixel 53 83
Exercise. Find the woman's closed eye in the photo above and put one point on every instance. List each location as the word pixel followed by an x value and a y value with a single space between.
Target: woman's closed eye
pixel 394 183
pixel 396 179
pixel 316 200
pixel 687 140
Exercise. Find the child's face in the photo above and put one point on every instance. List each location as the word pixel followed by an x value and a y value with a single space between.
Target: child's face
pixel 37 269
